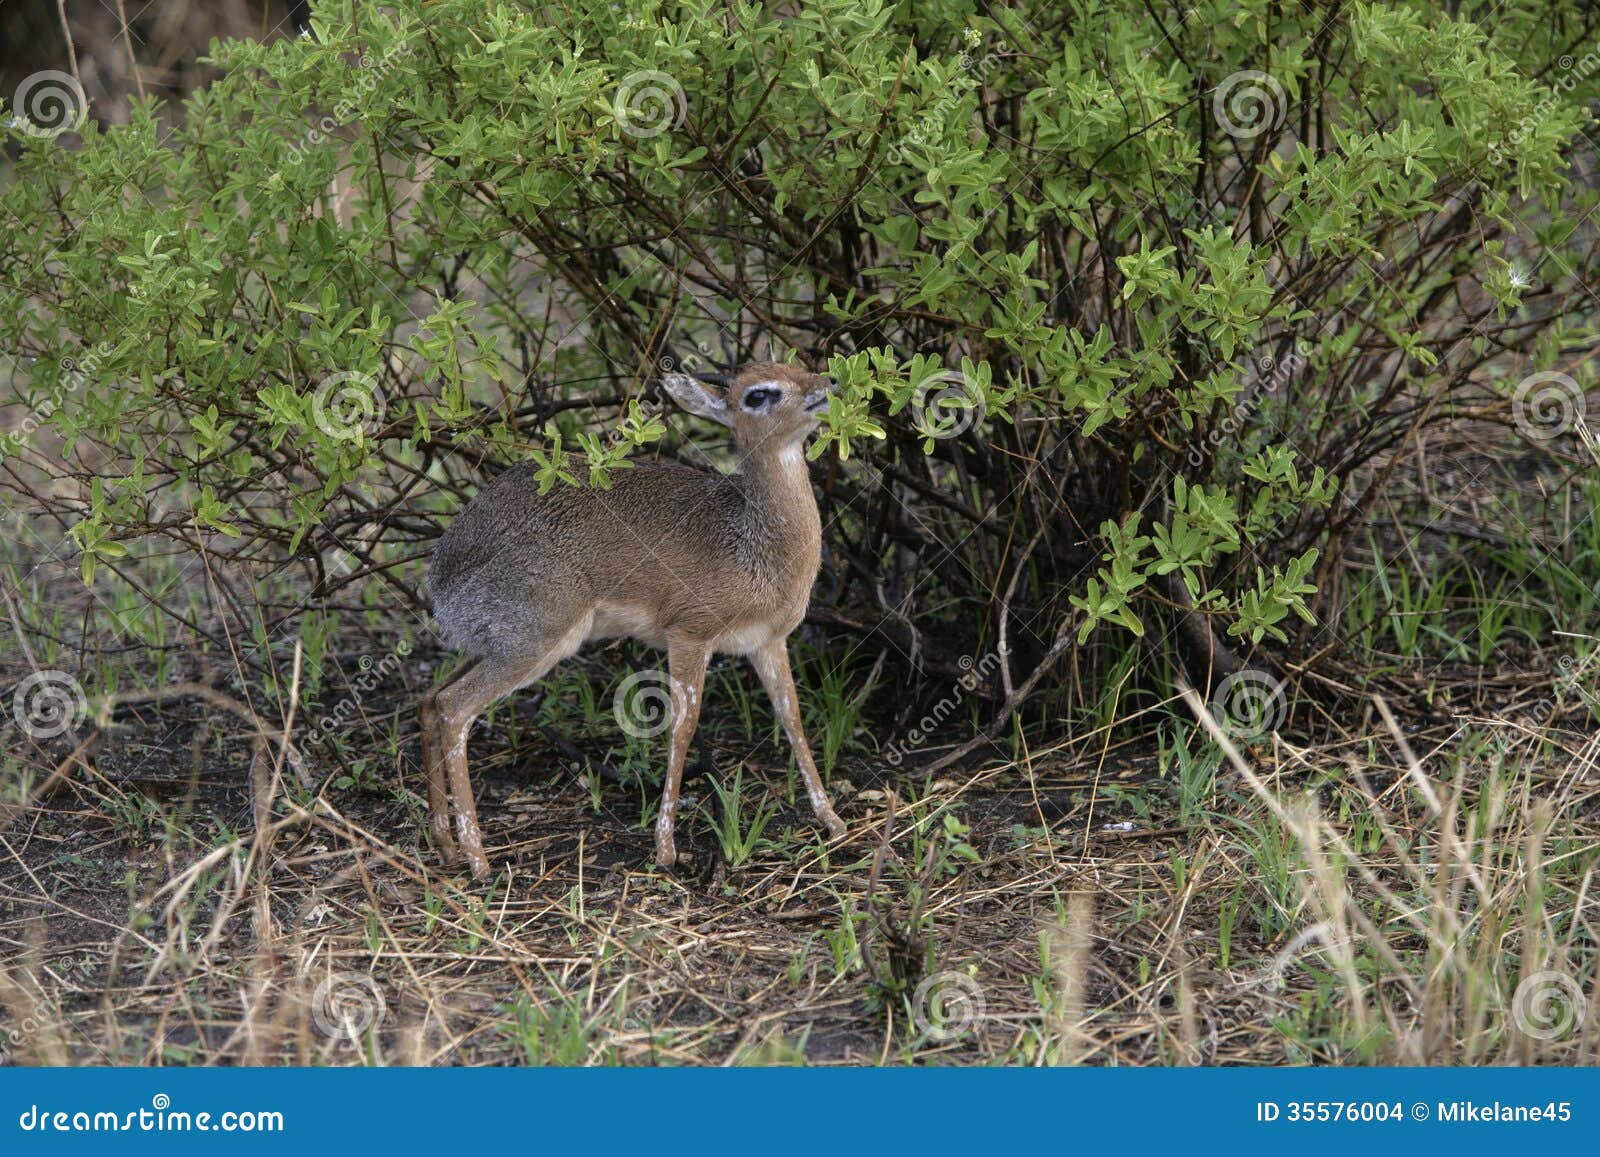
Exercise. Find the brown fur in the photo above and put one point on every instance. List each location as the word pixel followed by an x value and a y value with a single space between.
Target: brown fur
pixel 694 562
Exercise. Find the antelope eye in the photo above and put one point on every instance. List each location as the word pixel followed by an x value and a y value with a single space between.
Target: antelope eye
pixel 760 397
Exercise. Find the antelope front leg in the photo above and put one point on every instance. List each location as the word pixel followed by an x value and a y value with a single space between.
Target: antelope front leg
pixel 434 768
pixel 772 664
pixel 686 662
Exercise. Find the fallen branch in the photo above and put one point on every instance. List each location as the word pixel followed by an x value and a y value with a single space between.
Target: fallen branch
pixel 1013 701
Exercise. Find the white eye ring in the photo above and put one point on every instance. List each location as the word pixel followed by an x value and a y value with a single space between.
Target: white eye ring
pixel 775 387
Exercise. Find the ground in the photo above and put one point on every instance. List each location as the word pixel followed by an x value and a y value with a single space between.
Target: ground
pixel 1109 898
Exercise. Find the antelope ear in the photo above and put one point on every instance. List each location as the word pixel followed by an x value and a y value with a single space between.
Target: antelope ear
pixel 696 398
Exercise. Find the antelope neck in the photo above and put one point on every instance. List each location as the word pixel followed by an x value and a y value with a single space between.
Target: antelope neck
pixel 780 510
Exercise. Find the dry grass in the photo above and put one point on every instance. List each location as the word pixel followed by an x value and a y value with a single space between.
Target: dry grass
pixel 1375 898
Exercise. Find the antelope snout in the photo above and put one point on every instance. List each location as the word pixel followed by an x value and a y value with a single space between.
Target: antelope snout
pixel 817 398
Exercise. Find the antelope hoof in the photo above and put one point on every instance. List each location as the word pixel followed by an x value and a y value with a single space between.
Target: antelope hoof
pixel 471 843
pixel 442 843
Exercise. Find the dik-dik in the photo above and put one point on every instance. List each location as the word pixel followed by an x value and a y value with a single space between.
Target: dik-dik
pixel 695 562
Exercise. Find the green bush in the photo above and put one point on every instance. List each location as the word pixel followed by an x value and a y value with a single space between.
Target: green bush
pixel 1134 305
